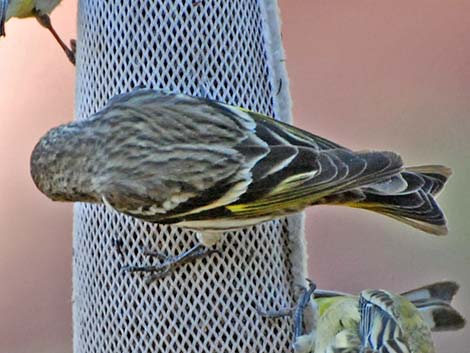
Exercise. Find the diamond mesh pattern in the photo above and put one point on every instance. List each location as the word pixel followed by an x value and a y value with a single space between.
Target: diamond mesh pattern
pixel 213 48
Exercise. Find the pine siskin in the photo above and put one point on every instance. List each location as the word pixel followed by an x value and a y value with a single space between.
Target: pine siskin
pixel 212 167
pixel 40 9
pixel 378 321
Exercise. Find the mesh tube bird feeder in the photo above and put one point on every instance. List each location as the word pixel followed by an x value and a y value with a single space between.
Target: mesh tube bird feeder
pixel 229 51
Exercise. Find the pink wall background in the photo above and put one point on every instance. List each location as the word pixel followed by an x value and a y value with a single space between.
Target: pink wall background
pixel 384 75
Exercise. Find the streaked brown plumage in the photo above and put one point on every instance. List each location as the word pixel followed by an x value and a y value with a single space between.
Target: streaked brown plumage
pixel 211 167
pixel 174 159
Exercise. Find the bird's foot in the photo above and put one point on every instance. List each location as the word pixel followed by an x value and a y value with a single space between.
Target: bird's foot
pixel 297 312
pixel 170 263
pixel 45 21
pixel 303 301
pixel 72 52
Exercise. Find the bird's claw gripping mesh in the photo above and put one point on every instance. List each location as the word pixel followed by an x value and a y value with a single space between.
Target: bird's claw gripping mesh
pixel 226 50
pixel 169 264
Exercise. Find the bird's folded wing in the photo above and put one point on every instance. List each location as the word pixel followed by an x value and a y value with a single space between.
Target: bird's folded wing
pixel 379 329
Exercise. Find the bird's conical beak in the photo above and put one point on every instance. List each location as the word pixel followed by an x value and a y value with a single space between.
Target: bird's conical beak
pixel 3 16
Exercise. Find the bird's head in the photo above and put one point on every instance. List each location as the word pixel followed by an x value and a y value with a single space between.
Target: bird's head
pixel 61 167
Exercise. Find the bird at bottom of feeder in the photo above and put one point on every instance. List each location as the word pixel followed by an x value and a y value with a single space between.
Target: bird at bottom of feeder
pixel 211 167
pixel 375 321
pixel 40 9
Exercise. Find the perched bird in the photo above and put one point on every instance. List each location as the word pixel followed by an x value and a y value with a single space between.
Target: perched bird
pixel 378 321
pixel 40 9
pixel 211 167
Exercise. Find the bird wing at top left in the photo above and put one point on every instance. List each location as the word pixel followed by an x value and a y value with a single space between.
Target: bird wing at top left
pixel 3 16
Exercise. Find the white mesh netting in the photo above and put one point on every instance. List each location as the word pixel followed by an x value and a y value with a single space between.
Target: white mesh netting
pixel 228 51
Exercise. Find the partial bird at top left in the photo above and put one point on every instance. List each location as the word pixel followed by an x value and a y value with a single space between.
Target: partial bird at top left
pixel 40 9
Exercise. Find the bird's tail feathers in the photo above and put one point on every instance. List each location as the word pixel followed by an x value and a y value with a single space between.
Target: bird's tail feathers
pixel 444 290
pixel 408 197
pixel 440 316
pixel 434 304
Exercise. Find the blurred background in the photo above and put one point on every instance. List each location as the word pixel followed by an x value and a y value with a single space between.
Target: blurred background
pixel 368 74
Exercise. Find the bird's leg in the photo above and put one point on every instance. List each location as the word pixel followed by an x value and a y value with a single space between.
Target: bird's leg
pixel 304 299
pixel 170 263
pixel 298 313
pixel 45 21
